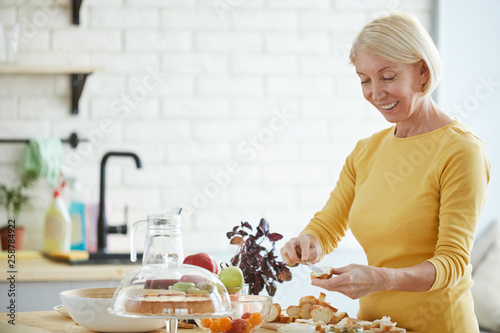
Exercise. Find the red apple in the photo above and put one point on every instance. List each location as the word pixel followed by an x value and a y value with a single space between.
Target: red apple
pixel 204 260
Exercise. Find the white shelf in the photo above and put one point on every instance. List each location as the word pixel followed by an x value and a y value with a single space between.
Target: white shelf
pixel 78 76
pixel 27 69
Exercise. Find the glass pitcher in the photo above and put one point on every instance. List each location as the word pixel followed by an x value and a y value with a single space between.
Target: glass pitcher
pixel 163 243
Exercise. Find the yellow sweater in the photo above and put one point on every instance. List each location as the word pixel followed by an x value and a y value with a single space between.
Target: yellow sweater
pixel 408 200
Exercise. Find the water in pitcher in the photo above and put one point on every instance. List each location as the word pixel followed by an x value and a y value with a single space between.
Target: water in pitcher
pixel 163 244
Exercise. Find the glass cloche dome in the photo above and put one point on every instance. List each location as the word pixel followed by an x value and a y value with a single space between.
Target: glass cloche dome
pixel 172 292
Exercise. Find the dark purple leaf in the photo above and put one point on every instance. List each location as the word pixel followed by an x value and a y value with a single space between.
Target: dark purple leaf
pixel 235 261
pixel 270 256
pixel 230 234
pixel 274 237
pixel 258 284
pixel 242 233
pixel 271 289
pixel 264 226
pixel 265 266
pixel 246 225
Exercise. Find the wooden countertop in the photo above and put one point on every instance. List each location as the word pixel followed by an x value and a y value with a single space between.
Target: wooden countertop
pixel 53 322
pixel 37 268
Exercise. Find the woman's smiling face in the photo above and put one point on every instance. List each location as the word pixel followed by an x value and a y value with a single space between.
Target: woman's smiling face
pixel 394 89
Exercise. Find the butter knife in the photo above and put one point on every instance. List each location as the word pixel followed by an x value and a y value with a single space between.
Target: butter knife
pixel 314 268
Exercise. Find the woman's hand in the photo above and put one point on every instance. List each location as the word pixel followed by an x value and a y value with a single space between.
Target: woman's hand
pixel 300 249
pixel 356 281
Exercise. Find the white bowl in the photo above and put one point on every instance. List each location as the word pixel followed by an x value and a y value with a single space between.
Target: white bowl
pixel 89 308
pixel 62 310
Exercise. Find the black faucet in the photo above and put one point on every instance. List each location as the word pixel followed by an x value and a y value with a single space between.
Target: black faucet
pixel 102 226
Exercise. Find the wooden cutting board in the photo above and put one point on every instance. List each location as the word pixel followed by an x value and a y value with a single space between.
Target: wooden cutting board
pixel 274 327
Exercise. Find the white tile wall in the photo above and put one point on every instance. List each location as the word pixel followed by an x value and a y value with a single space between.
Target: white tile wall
pixel 192 86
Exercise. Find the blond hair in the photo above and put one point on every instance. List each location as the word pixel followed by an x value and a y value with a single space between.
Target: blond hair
pixel 400 38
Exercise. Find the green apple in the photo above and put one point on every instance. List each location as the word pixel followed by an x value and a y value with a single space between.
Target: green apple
pixel 183 286
pixel 232 278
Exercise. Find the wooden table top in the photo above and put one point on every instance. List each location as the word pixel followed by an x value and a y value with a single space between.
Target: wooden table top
pixel 54 322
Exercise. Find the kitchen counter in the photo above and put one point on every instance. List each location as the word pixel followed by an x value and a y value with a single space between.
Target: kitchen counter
pixel 34 274
pixel 53 322
pixel 34 267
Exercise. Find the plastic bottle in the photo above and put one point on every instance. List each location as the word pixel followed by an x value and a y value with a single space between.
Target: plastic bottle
pixel 57 233
pixel 77 215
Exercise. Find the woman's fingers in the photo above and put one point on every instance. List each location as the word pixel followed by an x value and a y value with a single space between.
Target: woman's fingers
pixel 300 249
pixel 340 283
pixel 289 252
pixel 354 281
pixel 310 248
pixel 305 248
pixel 342 270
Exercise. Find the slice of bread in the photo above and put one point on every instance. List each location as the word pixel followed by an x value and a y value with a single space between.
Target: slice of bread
pixel 308 299
pixel 285 320
pixel 346 321
pixel 367 325
pixel 293 311
pixel 387 326
pixel 326 274
pixel 377 322
pixel 274 313
pixel 304 310
pixel 326 304
pixel 338 317
pixel 321 313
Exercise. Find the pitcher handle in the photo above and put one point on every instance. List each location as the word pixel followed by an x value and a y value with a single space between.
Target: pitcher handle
pixel 133 247
pixel 175 211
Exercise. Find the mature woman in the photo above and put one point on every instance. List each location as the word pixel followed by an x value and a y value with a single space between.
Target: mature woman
pixel 411 194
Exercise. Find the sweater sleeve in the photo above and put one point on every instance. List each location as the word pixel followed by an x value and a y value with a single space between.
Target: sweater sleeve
pixel 330 224
pixel 464 176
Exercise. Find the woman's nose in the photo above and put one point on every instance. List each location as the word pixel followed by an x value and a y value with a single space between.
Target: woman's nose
pixel 378 92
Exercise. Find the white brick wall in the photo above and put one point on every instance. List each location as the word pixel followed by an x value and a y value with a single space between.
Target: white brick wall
pixel 223 69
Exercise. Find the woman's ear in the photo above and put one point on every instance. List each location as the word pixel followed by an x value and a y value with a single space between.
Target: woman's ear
pixel 424 73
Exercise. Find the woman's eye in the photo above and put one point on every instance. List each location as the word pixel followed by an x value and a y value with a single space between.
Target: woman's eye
pixel 389 78
pixel 364 82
